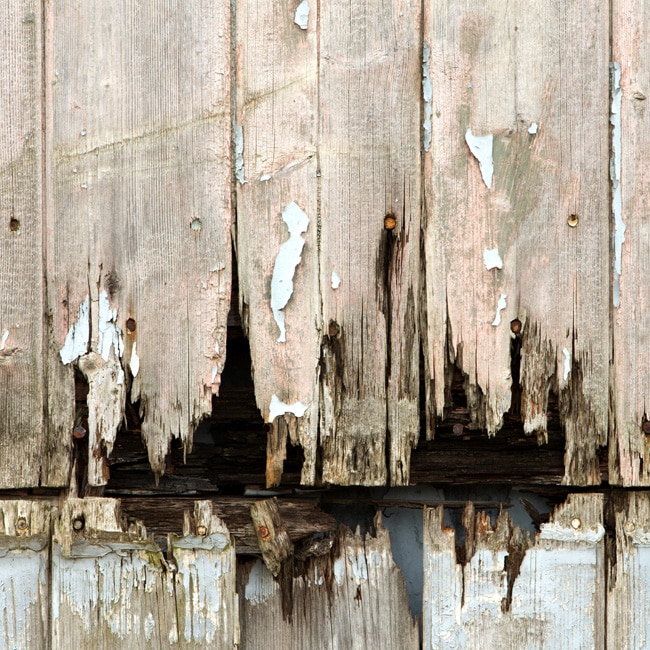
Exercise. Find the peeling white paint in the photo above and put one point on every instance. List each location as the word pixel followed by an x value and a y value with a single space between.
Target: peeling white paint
pixel 134 364
pixel 501 305
pixel 427 94
pixel 216 347
pixel 78 337
pixel 215 372
pixel 149 626
pixel 239 153
pixel 260 585
pixel 567 364
pixel 532 129
pixel 280 408
pixel 481 148
pixel 110 335
pixel 301 17
pixel 359 566
pixel 5 336
pixel 286 262
pixel 615 176
pixel 561 533
pixel 265 177
pixel 339 570
pixel 492 259
pixel 336 281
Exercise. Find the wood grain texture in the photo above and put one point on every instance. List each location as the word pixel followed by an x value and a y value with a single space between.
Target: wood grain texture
pixel 139 157
pixel 272 534
pixel 277 87
pixel 369 77
pixel 549 595
pixel 354 599
pixel 630 445
pixel 534 76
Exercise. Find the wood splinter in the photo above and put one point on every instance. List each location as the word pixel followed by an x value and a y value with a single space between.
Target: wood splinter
pixel 272 535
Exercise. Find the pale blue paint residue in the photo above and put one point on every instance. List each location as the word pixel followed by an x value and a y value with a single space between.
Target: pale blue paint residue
pixel 481 148
pixel 615 176
pixel 427 95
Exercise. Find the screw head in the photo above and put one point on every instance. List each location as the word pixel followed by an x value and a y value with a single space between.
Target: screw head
pixel 573 220
pixel 202 531
pixel 21 524
pixel 576 523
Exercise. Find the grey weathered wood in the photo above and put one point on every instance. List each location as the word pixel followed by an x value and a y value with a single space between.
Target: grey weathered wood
pixel 205 593
pixel 551 595
pixel 111 586
pixel 24 576
pixel 369 75
pixel 139 159
pixel 355 599
pixel 24 434
pixel 534 76
pixel 277 86
pixel 272 534
pixel 629 449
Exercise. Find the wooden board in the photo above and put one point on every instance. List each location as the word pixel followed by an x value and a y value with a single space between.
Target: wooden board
pixel 515 594
pixel 139 246
pixel 354 599
pixel 516 176
pixel 369 133
pixel 278 219
pixel 630 444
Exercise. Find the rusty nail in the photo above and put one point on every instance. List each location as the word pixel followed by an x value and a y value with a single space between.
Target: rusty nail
pixel 78 523
pixel 21 524
pixel 573 220
pixel 130 325
pixel 390 221
pixel 196 224
pixel 576 523
pixel 79 432
pixel 14 225
pixel 263 532
pixel 515 326
pixel 645 427
pixel 202 531
pixel 458 429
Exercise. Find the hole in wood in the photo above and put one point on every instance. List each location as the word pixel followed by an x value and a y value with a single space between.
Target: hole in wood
pixel 14 225
pixel 390 221
pixel 573 220
pixel 131 325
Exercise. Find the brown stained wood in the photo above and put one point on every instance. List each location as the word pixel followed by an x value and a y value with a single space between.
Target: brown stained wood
pixel 24 578
pixel 138 147
pixel 277 81
pixel 512 594
pixel 354 598
pixel 272 534
pixel 24 435
pixel 630 444
pixel 534 77
pixel 369 132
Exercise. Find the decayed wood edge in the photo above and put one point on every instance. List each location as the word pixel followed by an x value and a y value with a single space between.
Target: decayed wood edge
pixel 272 534
pixel 629 446
pixel 486 42
pixel 559 575
pixel 352 597
pixel 24 575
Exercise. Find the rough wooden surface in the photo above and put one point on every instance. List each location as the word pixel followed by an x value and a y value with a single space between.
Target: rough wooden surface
pixel 531 81
pixel 277 83
pixel 272 534
pixel 138 148
pixel 355 598
pixel 511 593
pixel 630 442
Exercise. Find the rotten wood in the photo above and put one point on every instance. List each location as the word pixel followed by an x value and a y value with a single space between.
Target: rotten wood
pixel 272 534
pixel 516 186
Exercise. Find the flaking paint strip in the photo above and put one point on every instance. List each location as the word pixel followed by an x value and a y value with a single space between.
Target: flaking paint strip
pixel 532 129
pixel 110 335
pixel 301 17
pixel 567 364
pixel 134 364
pixel 5 336
pixel 278 407
pixel 336 281
pixel 288 258
pixel 615 176
pixel 78 337
pixel 427 95
pixel 560 533
pixel 481 148
pixel 501 305
pixel 239 153
pixel 492 259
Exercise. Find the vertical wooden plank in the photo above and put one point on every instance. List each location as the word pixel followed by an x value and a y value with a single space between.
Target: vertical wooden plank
pixel 24 582
pixel 550 595
pixel 356 599
pixel 630 444
pixel 111 587
pixel 23 434
pixel 206 597
pixel 628 595
pixel 369 77
pixel 516 179
pixel 139 240
pixel 277 218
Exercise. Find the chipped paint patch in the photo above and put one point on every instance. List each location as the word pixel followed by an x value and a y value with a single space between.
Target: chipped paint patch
pixel 532 129
pixel 492 259
pixel 567 364
pixel 110 335
pixel 301 17
pixel 561 533
pixel 336 281
pixel 5 336
pixel 260 585
pixel 215 372
pixel 615 177
pixel 501 305
pixel 286 262
pixel 134 364
pixel 239 153
pixel 78 337
pixel 481 148
pixel 277 408
pixel 339 570
pixel 265 177
pixel 427 95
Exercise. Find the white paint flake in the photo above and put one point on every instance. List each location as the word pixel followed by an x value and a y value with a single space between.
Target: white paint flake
pixel 286 262
pixel 501 305
pixel 239 153
pixel 260 585
pixel 532 129
pixel 265 177
pixel 567 364
pixel 280 408
pixel 110 335
pixel 492 259
pixel 78 337
pixel 134 364
pixel 216 347
pixel 481 148
pixel 301 17
pixel 427 95
pixel 615 177
pixel 215 372
pixel 5 336
pixel 561 533
pixel 336 281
